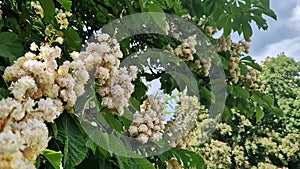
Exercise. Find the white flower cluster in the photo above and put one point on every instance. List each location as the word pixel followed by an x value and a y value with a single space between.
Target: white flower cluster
pixel 224 44
pixel 38 8
pixel 203 65
pixel 41 90
pixel 186 50
pixel 186 17
pixel 234 68
pixel 117 90
pixel 148 124
pixel 103 55
pixel 216 154
pixel 36 76
pixel 186 112
pixel 115 84
pixel 22 137
pixel 62 18
pixel 240 47
pixel 211 30
pixel 198 133
pixel 54 35
pixel 251 78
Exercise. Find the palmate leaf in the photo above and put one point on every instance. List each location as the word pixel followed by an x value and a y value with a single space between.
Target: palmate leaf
pixel 73 140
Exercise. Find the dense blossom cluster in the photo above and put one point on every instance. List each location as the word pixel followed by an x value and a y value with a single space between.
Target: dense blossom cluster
pixel 198 133
pixel 240 47
pixel 184 120
pixel 186 50
pixel 217 154
pixel 62 18
pixel 115 84
pixel 234 69
pixel 54 35
pixel 38 76
pixel 41 90
pixel 203 65
pixel 148 124
pixel 224 44
pixel 251 78
pixel 265 143
pixel 211 30
pixel 23 133
pixel 118 89
pixel 236 50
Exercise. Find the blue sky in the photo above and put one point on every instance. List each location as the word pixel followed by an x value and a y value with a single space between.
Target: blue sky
pixel 283 35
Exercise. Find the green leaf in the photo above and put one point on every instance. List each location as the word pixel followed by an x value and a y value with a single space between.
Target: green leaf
pixel 276 111
pixel 140 91
pixel 143 163
pixel 205 93
pixel 227 114
pixel 248 58
pixel 268 100
pixel 241 92
pixel 253 65
pixel 49 10
pixel 259 114
pixel 170 3
pixel 227 26
pixel 224 62
pixel 72 39
pixel 122 161
pixel 135 103
pixel 247 30
pixel 188 159
pixel 10 46
pixel 184 80
pixel 69 134
pixel 125 119
pixel 257 97
pixel 66 4
pixel 113 122
pixel 55 158
pixel 91 145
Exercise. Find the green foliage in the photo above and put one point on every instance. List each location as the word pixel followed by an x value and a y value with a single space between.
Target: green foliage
pixel 10 46
pixel 55 158
pixel 73 140
pixel 281 80
pixel 270 139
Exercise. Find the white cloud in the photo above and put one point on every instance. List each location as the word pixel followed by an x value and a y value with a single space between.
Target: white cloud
pixel 282 36
pixel 291 47
pixel 294 21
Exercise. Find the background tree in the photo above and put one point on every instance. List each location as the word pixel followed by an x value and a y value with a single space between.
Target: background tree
pixel 272 142
pixel 280 77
